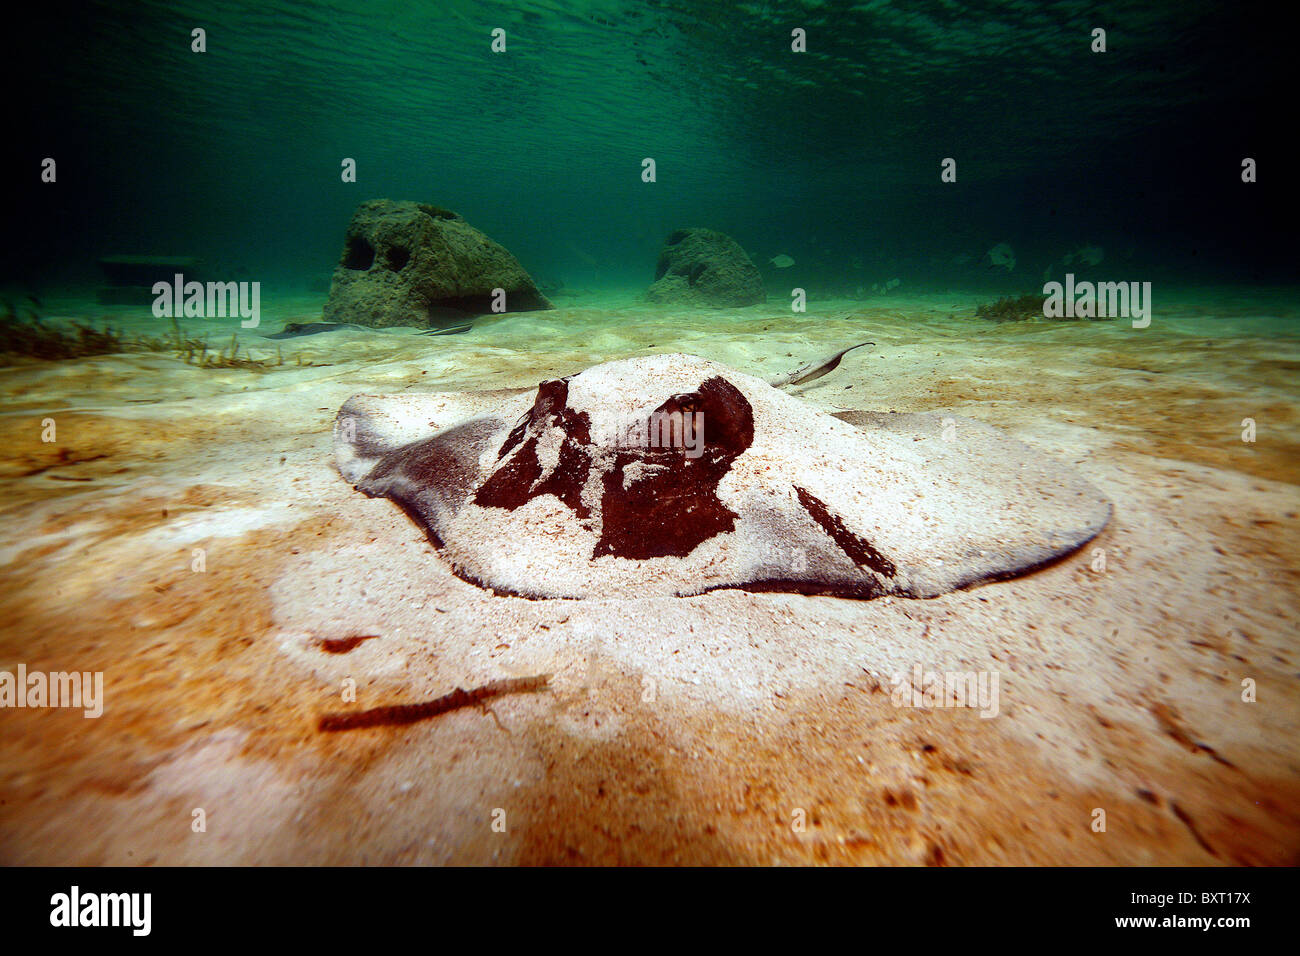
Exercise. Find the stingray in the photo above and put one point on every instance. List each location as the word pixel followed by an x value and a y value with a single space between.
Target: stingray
pixel 295 330
pixel 299 329
pixel 674 475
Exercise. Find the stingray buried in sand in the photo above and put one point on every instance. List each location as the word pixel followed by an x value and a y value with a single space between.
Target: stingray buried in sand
pixel 568 491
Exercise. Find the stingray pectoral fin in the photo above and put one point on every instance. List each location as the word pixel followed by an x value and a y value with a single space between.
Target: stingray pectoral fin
pixel 370 426
pixel 431 479
pixel 1004 508
pixel 814 370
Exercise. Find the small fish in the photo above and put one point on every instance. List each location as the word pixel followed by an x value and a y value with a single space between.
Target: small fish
pixel 1084 255
pixel 1092 255
pixel 782 261
pixel 1001 256
pixel 450 330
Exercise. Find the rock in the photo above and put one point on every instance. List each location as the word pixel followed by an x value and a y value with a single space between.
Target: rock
pixel 408 263
pixel 705 268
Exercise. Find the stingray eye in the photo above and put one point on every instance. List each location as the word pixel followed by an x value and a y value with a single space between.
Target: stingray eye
pixel 686 402
pixel 720 408
pixel 727 415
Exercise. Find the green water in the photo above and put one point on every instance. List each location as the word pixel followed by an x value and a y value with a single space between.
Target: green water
pixel 831 156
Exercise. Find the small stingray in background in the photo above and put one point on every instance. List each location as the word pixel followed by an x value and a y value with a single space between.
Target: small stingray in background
pixel 671 474
pixel 295 330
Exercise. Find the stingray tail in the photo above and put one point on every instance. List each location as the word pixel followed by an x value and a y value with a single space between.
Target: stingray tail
pixel 814 370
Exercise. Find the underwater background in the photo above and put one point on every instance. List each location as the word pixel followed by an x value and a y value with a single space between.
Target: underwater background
pixel 830 156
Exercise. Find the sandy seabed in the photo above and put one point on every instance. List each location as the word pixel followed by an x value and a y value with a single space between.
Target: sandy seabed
pixel 729 728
